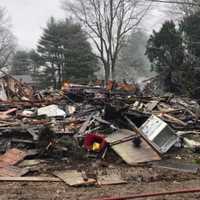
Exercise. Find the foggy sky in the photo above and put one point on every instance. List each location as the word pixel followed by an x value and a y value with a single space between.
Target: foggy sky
pixel 28 17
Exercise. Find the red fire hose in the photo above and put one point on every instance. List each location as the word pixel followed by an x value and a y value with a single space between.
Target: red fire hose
pixel 137 196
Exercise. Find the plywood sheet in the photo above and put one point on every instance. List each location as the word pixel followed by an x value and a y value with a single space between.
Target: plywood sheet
pixel 128 152
pixel 30 179
pixel 12 157
pixel 12 171
pixel 73 178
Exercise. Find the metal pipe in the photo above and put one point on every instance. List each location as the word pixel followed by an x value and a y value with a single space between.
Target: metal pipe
pixel 137 196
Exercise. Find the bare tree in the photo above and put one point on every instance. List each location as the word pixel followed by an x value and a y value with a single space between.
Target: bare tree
pixel 7 40
pixel 107 23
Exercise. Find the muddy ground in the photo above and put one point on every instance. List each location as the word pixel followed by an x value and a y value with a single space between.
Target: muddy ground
pixel 59 191
pixel 139 180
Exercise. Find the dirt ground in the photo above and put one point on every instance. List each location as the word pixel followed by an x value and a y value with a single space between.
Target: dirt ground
pixel 140 180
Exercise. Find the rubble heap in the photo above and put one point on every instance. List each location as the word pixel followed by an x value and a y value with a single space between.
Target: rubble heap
pixel 82 124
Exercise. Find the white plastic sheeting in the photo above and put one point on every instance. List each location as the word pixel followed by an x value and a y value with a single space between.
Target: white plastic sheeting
pixel 51 111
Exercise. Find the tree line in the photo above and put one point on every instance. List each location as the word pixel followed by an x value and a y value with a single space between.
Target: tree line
pixel 105 33
pixel 174 52
pixel 93 36
pixel 63 53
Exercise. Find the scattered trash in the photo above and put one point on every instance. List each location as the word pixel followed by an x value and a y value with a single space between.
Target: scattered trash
pixel 51 111
pixel 191 143
pixel 159 133
pixel 51 130
pixel 94 142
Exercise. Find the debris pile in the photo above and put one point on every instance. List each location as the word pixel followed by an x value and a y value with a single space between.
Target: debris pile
pixel 82 124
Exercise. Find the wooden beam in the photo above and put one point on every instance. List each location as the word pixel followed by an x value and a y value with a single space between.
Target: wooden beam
pixel 30 179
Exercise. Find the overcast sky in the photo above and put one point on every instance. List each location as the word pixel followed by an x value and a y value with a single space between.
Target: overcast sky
pixel 28 17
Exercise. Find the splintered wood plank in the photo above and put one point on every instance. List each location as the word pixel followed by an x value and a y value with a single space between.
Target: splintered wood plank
pixel 128 152
pixel 12 171
pixel 29 163
pixel 30 179
pixel 151 105
pixel 74 178
pixel 110 179
pixel 12 157
pixel 85 124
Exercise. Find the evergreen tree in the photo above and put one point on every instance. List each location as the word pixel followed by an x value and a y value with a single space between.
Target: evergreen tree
pixel 66 52
pixel 20 63
pixel 190 26
pixel 175 55
pixel 166 53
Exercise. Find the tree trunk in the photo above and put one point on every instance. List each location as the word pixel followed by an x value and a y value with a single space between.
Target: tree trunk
pixel 53 74
pixel 113 71
pixel 168 82
pixel 54 82
pixel 59 76
pixel 107 72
